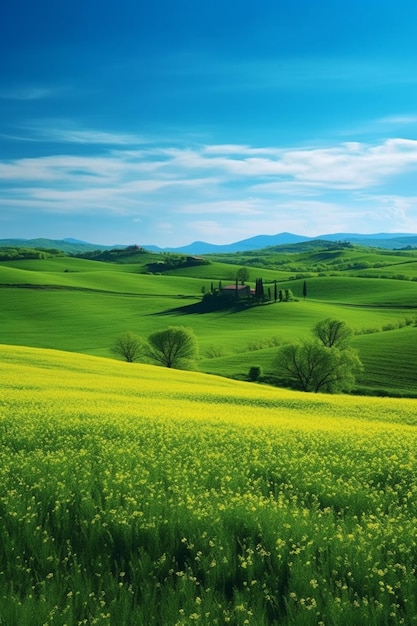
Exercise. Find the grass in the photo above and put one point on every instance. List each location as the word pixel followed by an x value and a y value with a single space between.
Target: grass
pixel 389 356
pixel 82 306
pixel 377 292
pixel 135 495
pixel 132 494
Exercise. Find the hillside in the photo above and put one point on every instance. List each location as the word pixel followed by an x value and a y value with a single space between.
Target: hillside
pixel 320 256
pixel 69 246
pixel 82 305
pixel 138 495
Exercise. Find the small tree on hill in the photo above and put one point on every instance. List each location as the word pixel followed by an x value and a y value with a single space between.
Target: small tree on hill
pixel 255 373
pixel 311 366
pixel 333 333
pixel 242 275
pixel 129 346
pixel 322 364
pixel 173 347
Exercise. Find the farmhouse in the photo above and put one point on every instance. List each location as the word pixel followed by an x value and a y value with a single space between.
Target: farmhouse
pixel 237 291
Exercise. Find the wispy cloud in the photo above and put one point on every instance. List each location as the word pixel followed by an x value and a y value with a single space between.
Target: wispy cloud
pixel 91 137
pixel 398 119
pixel 222 188
pixel 54 131
pixel 350 165
pixel 28 93
pixel 223 207
pixel 217 73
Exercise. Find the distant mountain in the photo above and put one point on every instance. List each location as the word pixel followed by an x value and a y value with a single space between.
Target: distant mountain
pixel 76 241
pixel 70 246
pixel 389 241
pixel 253 243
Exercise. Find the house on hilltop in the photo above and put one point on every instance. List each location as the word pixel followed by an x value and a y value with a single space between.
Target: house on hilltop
pixel 237 292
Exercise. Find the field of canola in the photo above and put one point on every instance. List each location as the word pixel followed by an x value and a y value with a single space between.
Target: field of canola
pixel 135 495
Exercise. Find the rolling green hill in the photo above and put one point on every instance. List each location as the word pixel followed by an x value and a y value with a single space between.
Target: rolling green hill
pixel 82 305
pixel 323 256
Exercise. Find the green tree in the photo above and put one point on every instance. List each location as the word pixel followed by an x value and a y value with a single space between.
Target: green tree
pixel 129 346
pixel 259 290
pixel 255 373
pixel 333 333
pixel 311 366
pixel 173 347
pixel 242 275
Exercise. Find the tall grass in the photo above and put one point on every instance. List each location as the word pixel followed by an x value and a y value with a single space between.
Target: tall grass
pixel 135 495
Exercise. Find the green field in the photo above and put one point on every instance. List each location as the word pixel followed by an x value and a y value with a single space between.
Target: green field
pixel 82 305
pixel 138 495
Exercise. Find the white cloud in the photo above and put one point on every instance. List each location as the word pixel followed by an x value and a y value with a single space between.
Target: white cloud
pixel 398 119
pixel 222 207
pixel 246 190
pixel 226 149
pixel 350 165
pixel 90 137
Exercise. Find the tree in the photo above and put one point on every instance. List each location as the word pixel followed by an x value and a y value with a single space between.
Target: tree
pixel 311 366
pixel 242 275
pixel 259 290
pixel 304 290
pixel 255 373
pixel 173 347
pixel 129 346
pixel 333 333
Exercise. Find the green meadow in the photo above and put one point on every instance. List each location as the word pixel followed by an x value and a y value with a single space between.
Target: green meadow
pixel 82 305
pixel 139 495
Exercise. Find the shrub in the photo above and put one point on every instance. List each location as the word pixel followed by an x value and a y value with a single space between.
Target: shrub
pixel 255 373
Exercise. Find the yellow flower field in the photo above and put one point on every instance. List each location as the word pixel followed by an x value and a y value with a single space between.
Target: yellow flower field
pixel 135 495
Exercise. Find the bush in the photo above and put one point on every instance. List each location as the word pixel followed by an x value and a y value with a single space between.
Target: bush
pixel 255 373
pixel 214 352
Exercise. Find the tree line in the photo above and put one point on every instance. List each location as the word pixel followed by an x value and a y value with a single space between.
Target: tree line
pixel 326 362
pixel 175 346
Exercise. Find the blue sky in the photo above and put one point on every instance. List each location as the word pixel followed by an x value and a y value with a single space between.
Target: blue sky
pixel 172 121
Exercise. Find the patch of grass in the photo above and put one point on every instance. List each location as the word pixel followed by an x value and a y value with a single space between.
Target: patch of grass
pixel 358 291
pixel 389 359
